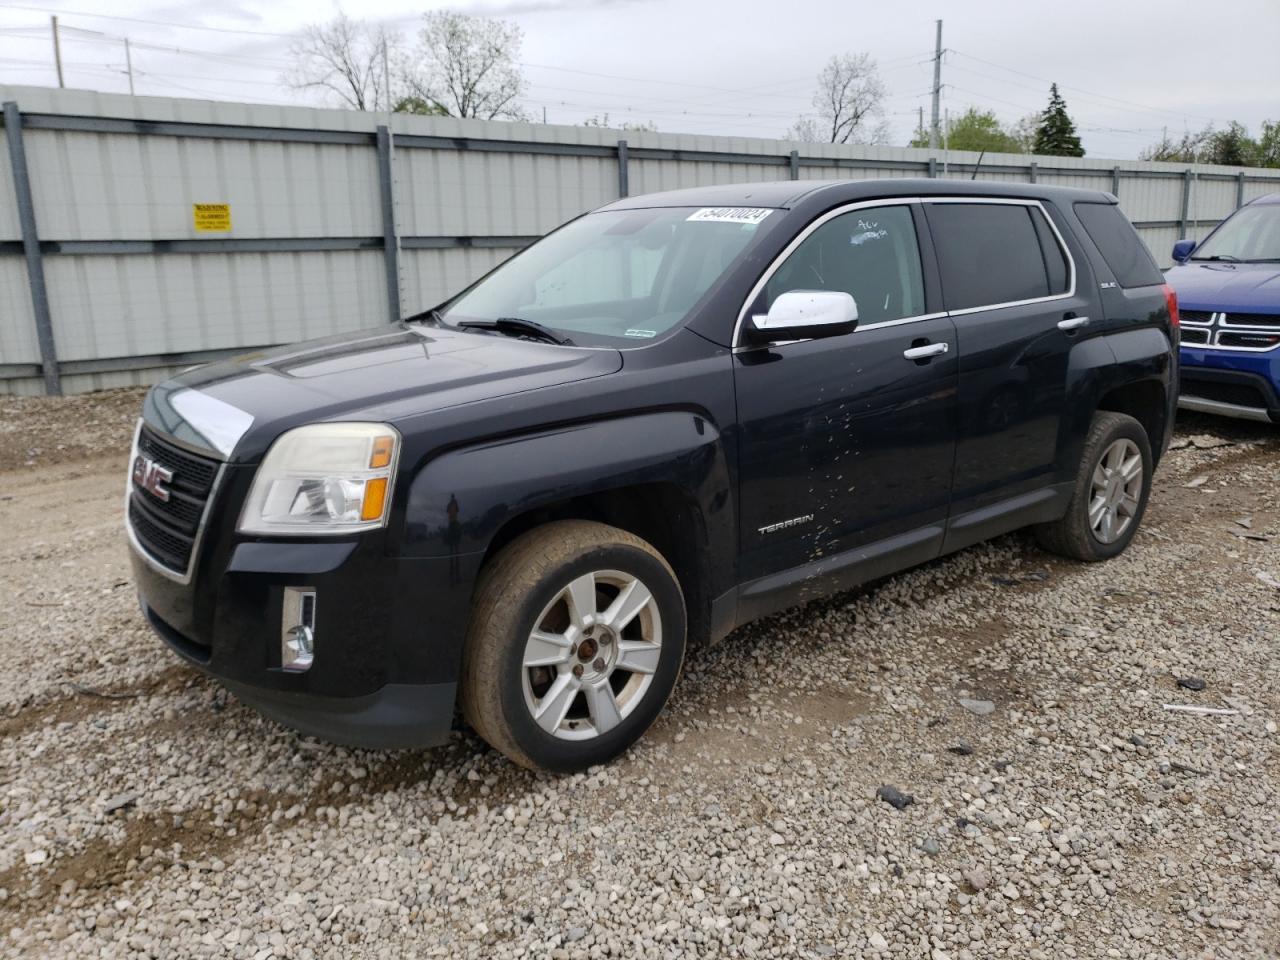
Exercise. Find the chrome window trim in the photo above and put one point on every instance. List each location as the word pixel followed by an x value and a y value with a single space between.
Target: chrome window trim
pixel 182 577
pixel 906 202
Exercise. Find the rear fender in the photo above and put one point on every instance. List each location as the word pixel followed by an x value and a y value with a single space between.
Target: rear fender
pixel 1103 364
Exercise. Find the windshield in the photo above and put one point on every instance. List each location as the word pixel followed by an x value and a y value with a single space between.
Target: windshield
pixel 615 277
pixel 1252 234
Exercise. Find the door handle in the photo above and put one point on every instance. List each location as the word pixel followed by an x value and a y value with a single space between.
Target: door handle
pixel 927 351
pixel 1072 323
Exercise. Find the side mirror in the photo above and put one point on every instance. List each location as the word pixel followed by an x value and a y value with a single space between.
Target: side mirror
pixel 1182 250
pixel 805 315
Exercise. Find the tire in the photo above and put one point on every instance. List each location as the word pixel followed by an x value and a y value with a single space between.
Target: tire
pixel 1074 535
pixel 579 663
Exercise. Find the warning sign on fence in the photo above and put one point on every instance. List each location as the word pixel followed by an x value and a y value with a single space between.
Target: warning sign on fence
pixel 211 217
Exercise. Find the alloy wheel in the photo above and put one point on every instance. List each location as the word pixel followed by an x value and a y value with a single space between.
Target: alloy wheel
pixel 592 654
pixel 1115 491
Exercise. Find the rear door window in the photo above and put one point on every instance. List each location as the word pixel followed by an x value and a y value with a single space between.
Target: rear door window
pixel 991 253
pixel 1118 242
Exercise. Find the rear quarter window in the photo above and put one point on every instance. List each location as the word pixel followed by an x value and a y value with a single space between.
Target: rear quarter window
pixel 1119 244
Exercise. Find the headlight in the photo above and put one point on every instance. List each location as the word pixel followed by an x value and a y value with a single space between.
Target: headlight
pixel 325 478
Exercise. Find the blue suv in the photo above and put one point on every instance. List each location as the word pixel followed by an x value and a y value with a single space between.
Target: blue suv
pixel 1229 298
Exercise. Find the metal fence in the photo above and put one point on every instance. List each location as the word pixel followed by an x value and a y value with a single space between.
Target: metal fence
pixel 142 235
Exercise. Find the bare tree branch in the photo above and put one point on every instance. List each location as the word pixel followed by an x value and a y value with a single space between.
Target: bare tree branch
pixel 467 66
pixel 849 99
pixel 343 58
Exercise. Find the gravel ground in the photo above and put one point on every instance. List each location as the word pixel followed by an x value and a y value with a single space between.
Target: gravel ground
pixel 1058 809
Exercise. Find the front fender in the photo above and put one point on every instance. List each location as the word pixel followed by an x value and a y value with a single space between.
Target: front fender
pixel 459 500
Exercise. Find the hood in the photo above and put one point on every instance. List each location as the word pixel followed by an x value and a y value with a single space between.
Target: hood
pixel 239 406
pixel 1228 287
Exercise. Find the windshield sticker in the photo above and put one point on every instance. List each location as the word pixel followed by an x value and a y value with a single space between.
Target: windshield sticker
pixel 751 215
pixel 868 231
pixel 641 334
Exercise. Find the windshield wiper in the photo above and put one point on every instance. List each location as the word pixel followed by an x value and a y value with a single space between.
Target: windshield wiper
pixel 1221 258
pixel 434 315
pixel 517 326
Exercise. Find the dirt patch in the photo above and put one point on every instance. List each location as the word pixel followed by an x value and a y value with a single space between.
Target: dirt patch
pixel 43 431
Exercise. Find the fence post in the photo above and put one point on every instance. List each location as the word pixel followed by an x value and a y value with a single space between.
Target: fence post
pixel 390 242
pixel 1115 182
pixel 933 168
pixel 1186 201
pixel 795 164
pixel 1239 189
pixel 31 249
pixel 624 189
pixel 1035 167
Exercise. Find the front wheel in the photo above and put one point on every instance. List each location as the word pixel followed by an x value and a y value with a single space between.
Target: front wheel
pixel 1110 495
pixel 576 639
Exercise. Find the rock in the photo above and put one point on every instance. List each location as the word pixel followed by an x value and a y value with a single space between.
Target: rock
pixel 931 847
pixel 1191 683
pixel 877 941
pixel 119 802
pixel 574 934
pixel 961 749
pixel 982 708
pixel 36 857
pixel 978 877
pixel 894 797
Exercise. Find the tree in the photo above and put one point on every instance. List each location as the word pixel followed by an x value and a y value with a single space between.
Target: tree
pixel 975 130
pixel 1024 131
pixel 1056 134
pixel 344 60
pixel 640 126
pixel 467 66
pixel 416 105
pixel 849 103
pixel 1185 150
pixel 1232 147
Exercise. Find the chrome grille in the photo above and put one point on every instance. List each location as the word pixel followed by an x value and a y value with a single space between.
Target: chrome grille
pixel 1257 332
pixel 1271 320
pixel 168 530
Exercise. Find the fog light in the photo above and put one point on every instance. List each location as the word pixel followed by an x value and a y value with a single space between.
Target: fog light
pixel 297 629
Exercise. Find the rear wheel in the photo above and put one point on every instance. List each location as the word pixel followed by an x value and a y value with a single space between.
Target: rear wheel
pixel 577 636
pixel 1110 495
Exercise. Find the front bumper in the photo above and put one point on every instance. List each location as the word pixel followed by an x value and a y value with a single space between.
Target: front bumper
pixel 1242 384
pixel 388 634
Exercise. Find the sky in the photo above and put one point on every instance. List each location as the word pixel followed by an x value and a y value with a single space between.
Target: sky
pixel 1128 69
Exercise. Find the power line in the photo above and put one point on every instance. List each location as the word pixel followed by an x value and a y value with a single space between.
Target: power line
pixel 1101 96
pixel 154 23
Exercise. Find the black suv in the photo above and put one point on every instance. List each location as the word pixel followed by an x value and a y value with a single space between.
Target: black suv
pixel 668 417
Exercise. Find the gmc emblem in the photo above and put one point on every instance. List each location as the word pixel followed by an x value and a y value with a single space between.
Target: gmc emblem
pixel 152 477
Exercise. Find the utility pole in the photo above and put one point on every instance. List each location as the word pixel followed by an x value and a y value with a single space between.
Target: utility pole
pixel 57 50
pixel 920 123
pixel 544 116
pixel 937 88
pixel 128 64
pixel 386 75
